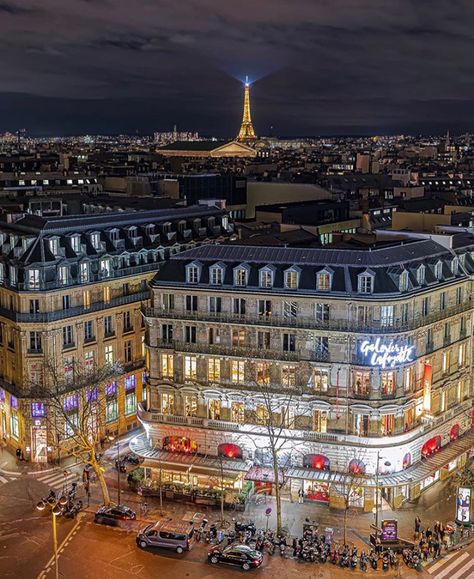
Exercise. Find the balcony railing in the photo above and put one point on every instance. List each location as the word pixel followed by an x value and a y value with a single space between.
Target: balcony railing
pixel 372 327
pixel 243 352
pixel 45 317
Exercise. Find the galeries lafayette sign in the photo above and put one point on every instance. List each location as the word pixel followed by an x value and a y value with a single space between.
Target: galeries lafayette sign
pixel 387 354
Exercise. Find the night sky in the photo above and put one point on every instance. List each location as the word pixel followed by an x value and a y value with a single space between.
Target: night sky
pixel 319 66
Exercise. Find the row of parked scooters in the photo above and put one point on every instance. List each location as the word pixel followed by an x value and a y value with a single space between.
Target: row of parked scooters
pixel 311 548
pixel 126 461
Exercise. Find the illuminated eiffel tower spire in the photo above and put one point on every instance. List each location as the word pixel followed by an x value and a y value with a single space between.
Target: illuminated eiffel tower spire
pixel 246 132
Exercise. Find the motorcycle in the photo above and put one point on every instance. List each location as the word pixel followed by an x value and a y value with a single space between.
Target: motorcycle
pixel 242 527
pixel 385 561
pixel 363 562
pixel 353 562
pixel 373 561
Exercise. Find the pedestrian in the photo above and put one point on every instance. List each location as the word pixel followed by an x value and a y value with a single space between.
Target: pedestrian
pixel 436 549
pixel 144 508
pixel 295 546
pixel 436 528
pixel 417 527
pixel 18 453
pixel 301 496
pixel 429 533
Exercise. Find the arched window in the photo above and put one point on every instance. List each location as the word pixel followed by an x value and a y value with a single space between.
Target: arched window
pixel 356 466
pixel 229 450
pixel 431 446
pixel 316 461
pixel 454 434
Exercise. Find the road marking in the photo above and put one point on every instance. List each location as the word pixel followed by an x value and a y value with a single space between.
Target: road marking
pixel 3 479
pixel 451 566
pixel 50 563
pixel 442 562
pixel 465 568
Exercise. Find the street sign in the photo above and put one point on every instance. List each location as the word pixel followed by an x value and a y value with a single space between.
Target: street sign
pixel 268 511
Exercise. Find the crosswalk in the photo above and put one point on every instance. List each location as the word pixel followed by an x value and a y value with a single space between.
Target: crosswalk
pixel 59 480
pixel 456 565
pixel 5 478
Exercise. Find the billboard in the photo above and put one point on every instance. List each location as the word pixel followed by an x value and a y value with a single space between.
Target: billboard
pixel 427 383
pixel 463 505
pixel 389 530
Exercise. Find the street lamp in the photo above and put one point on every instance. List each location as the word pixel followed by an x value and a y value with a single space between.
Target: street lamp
pixel 56 508
pixel 112 438
pixel 376 510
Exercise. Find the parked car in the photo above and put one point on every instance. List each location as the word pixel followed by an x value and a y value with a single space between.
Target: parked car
pixel 177 536
pixel 113 514
pixel 240 555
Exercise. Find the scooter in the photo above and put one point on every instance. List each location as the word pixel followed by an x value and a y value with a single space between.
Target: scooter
pixel 385 561
pixel 363 562
pixel 353 561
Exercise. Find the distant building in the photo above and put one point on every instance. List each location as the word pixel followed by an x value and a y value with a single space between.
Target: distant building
pixel 165 138
pixel 214 149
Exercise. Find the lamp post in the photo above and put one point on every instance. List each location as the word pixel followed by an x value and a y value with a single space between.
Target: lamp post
pixel 112 438
pixel 56 508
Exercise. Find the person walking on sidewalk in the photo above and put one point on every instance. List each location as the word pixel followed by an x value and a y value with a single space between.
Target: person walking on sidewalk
pixel 144 508
pixel 301 496
pixel 417 527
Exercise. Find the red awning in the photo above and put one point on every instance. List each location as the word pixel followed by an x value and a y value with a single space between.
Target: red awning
pixel 263 474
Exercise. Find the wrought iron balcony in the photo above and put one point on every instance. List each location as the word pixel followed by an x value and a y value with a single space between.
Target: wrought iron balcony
pixel 308 323
pixel 243 352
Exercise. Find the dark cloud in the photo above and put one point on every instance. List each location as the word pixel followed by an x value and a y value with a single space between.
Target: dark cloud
pixel 321 65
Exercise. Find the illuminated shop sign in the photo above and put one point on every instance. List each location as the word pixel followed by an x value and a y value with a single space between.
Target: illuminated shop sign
pixel 463 505
pixel 387 354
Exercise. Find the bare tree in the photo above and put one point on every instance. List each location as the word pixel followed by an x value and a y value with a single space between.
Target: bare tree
pixel 276 410
pixel 76 408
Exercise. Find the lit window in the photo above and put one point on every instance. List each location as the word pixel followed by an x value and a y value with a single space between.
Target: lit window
pixel 403 285
pixel 288 376
pixel 238 371
pixel 266 278
pixel 323 282
pixel 105 269
pixel 240 276
pixel 33 279
pixel 214 369
pixel 109 354
pixel 321 379
pixel 63 275
pixel 84 272
pixel 291 279
pixel 190 367
pixel 167 403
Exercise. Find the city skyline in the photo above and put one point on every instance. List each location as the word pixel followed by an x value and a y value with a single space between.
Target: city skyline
pixel 99 67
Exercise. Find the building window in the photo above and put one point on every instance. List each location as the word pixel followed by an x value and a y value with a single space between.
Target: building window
pixel 386 315
pixel 167 365
pixel 215 305
pixel 89 360
pixel 108 326
pixel 289 342
pixel 442 301
pixel 439 270
pixel 68 368
pixel 266 278
pixel 362 383
pixel 425 306
pixel 262 414
pixel 84 272
pixel 13 275
pixel 130 403
pixel 420 275
pixel 387 383
pixel 455 266
pixel 321 379
pixel 240 276
pixel 111 410
pixel 216 275
pixel 238 306
pixel 262 373
pixel 14 426
pixel 238 371
pixel 192 274
pixel 290 309
pixel 361 424
pixel 35 342
pixel 237 412
pixel 95 240
pixel 127 322
pixel 2 272
pixel 33 279
pixel 167 302
pixel 166 333
pixel 214 369
pixel 264 308
pixel 288 376
pixel 190 334
pixel 105 269
pixel 68 337
pixel 238 337
pixel 128 351
pixel 403 283
pixel 214 336
pixel 446 364
pixel 109 354
pixel 38 410
pixel 459 296
pixel 190 367
pixel 263 340
pixel 54 246
pixel 320 421
pixel 191 303
pixel 366 283
pixel 291 279
pixel 409 378
pixel 167 403
pixel 462 355
pixel 76 243
pixel 63 275
pixel 323 282
pixel 214 409
pixel 190 405
pixel 321 312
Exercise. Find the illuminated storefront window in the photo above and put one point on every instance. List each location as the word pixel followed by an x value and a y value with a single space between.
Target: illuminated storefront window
pixel 229 450
pixel 179 444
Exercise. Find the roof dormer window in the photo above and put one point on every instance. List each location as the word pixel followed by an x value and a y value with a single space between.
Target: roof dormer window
pixel 54 246
pixel 421 275
pixel 439 270
pixel 76 243
pixel 291 278
pixel 365 283
pixel 323 281
pixel 455 266
pixel 266 278
pixel 241 276
pixel 216 275
pixel 193 273
pixel 132 232
pixel 95 240
pixel 403 282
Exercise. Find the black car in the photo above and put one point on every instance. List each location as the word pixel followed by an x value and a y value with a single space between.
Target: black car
pixel 241 555
pixel 113 514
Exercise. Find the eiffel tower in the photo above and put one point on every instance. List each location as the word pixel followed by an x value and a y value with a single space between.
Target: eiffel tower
pixel 246 133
